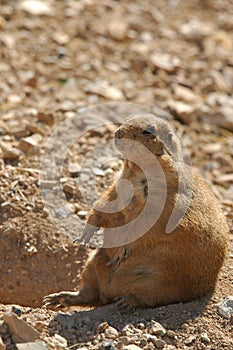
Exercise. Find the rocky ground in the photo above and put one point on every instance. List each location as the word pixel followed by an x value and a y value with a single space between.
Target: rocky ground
pixel 56 59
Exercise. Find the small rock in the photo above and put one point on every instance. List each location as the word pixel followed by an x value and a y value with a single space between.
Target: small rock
pixel 196 29
pixel 189 340
pixel 171 334
pixel 184 93
pixel 128 330
pixel 126 340
pixel 224 178
pixel 103 88
pixel 164 61
pixel 111 333
pixel 102 327
pixel 225 308
pixel 16 310
pixel 74 169
pixel 98 171
pixel 32 346
pixel 107 346
pixel 68 106
pixel 212 148
pixel 131 347
pixel 69 188
pixel 204 338
pixel 223 117
pixel 9 152
pixel 183 111
pixel 221 82
pixel 82 213
pixel 117 29
pixel 60 37
pixel 46 118
pixel 59 340
pixel 2 345
pixel 143 342
pixel 20 330
pixel 36 7
pixel 158 343
pixel 157 329
pixel 30 145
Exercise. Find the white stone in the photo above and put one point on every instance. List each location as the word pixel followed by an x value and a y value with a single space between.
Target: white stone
pixel 225 308
pixel 111 333
pixel 36 7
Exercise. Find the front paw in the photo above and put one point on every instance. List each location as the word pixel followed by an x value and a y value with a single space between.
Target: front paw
pixel 59 301
pixel 119 258
pixel 126 304
pixel 87 233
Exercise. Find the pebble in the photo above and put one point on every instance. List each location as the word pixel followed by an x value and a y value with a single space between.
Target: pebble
pixel 98 172
pixel 126 340
pixel 184 93
pixel 74 169
pixel 158 343
pixel 204 338
pixel 47 118
pixel 69 188
pixel 9 152
pixel 183 111
pixel 157 329
pixel 195 29
pixel 20 330
pixel 107 346
pixel 32 346
pixel 164 61
pixel 225 308
pixel 143 342
pixel 129 329
pixel 223 117
pixel 131 347
pixel 111 333
pixel 36 7
pixel 82 213
pixel 16 310
pixel 189 340
pixel 105 89
pixel 30 145
pixel 171 334
pixel 117 29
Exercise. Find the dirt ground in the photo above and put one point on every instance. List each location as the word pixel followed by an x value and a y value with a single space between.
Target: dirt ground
pixel 56 59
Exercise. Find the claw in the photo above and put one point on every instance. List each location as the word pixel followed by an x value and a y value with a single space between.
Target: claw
pixel 126 304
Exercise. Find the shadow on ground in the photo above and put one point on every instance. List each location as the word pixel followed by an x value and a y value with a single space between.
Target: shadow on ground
pixel 80 326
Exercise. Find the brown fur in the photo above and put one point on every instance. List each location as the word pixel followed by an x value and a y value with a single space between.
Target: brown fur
pixel 157 268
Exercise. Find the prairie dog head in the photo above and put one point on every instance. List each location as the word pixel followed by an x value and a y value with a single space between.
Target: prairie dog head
pixel 142 135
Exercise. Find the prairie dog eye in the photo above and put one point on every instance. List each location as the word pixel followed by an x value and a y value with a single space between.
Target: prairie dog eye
pixel 150 130
pixel 119 134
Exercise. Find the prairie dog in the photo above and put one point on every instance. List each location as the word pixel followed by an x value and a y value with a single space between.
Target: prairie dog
pixel 152 265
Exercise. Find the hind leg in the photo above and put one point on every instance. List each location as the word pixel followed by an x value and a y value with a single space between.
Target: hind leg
pixel 145 285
